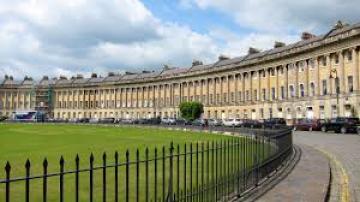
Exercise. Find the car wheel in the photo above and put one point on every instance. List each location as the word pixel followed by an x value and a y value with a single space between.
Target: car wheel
pixel 343 130
pixel 310 129
pixel 323 129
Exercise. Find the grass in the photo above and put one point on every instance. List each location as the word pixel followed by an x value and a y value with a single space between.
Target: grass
pixel 20 142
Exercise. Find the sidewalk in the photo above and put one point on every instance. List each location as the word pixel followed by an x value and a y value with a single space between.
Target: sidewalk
pixel 307 182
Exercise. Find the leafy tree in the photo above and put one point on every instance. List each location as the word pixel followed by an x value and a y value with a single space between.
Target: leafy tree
pixel 191 110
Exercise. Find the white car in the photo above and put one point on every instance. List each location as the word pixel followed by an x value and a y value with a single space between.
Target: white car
pixel 232 122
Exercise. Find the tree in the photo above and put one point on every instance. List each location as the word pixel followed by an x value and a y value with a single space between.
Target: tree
pixel 191 110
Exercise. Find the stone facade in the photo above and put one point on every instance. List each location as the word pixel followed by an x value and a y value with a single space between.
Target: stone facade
pixel 317 77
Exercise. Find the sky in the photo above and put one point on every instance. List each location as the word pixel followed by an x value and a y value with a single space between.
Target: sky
pixel 70 37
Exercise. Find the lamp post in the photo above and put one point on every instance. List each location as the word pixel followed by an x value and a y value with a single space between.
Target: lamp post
pixel 333 75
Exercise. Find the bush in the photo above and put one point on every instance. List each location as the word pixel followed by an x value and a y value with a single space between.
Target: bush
pixel 191 110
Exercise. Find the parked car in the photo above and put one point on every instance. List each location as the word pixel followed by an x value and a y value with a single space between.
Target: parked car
pixel 214 122
pixel 182 121
pixel 200 122
pixel 3 118
pixel 274 122
pixel 84 120
pixel 251 123
pixel 155 121
pixel 232 122
pixel 341 125
pixel 144 121
pixel 94 120
pixel 107 120
pixel 168 121
pixel 309 124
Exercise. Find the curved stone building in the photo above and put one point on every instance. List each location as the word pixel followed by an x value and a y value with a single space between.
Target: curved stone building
pixel 316 77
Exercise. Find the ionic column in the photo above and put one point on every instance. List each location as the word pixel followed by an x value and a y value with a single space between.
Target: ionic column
pixel 355 67
pixel 341 73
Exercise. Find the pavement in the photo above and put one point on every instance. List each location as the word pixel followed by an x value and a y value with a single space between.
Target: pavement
pixel 307 182
pixel 322 153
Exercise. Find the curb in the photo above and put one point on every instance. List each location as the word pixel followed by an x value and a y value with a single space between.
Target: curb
pixel 338 189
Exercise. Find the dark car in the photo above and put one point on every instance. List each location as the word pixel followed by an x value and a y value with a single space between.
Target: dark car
pixel 251 123
pixel 84 120
pixel 3 118
pixel 274 122
pixel 341 125
pixel 200 122
pixel 107 120
pixel 155 121
pixel 182 122
pixel 309 124
pixel 144 121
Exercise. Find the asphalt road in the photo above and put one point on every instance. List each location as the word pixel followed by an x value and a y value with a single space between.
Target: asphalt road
pixel 345 148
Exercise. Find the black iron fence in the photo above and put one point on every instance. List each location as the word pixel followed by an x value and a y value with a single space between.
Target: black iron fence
pixel 203 171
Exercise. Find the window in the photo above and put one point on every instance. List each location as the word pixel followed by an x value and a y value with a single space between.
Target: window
pixel 311 63
pixel 292 91
pixel 336 59
pixel 302 90
pixel 263 94
pixel 323 61
pixel 255 95
pixel 282 92
pixel 324 87
pixel 350 84
pixel 312 88
pixel 239 96
pixel 273 94
pixel 247 95
pixel 272 72
pixel 225 97
pixel 270 112
pixel 301 66
pixel 337 85
pixel 349 55
pixel 232 95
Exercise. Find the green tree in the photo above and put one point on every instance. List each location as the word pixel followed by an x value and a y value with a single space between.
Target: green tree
pixel 191 110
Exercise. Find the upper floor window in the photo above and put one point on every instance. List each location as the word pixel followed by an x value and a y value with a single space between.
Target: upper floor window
pixel 272 72
pixel 350 84
pixel 312 88
pixel 324 87
pixel 292 91
pixel 349 55
pixel 273 96
pixel 311 63
pixel 323 61
pixel 282 92
pixel 336 59
pixel 302 90
pixel 264 94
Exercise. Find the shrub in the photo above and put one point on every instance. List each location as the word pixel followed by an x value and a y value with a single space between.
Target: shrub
pixel 191 110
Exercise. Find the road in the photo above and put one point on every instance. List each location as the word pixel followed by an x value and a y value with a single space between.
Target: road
pixel 345 148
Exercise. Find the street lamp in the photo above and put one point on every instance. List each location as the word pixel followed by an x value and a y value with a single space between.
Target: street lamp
pixel 333 74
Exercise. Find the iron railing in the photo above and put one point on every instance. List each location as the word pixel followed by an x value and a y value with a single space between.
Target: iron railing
pixel 206 171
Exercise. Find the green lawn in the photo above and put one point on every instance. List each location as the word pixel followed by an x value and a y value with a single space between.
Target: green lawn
pixel 21 141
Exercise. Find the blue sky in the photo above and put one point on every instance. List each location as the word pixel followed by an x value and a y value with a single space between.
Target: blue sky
pixel 69 37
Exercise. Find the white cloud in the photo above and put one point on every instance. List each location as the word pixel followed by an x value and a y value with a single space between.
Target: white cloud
pixel 69 37
pixel 284 15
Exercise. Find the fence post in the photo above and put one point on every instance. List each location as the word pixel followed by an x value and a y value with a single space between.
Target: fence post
pixel 185 182
pixel 45 165
pixel 91 176
pixel 146 174
pixel 77 162
pixel 155 174
pixel 62 162
pixel 116 176
pixel 137 174
pixel 127 175
pixel 7 186
pixel 104 176
pixel 171 172
pixel 27 182
pixel 191 174
pixel 163 173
